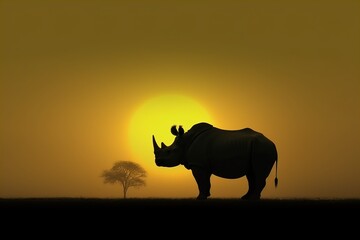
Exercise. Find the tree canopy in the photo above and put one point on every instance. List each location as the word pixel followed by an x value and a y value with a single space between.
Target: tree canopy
pixel 127 173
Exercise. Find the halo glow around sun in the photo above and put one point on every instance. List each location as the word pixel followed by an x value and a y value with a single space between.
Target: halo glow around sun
pixel 155 117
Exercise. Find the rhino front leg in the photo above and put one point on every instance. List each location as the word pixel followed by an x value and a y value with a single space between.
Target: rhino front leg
pixel 202 178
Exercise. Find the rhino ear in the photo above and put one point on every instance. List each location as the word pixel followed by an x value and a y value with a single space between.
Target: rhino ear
pixel 181 130
pixel 174 131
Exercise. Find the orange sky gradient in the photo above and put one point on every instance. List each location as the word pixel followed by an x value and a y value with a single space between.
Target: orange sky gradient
pixel 73 74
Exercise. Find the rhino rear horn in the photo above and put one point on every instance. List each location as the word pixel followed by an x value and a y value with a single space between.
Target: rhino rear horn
pixel 156 147
pixel 163 145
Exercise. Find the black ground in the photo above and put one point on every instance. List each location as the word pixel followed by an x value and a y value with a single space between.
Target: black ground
pixel 175 202
pixel 181 206
pixel 297 216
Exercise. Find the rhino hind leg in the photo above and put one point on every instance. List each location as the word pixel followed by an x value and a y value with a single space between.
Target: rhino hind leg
pixel 256 177
pixel 256 185
pixel 250 179
pixel 254 192
pixel 261 163
pixel 202 178
pixel 259 186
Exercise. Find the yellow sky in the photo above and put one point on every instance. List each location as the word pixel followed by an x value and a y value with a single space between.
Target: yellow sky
pixel 74 73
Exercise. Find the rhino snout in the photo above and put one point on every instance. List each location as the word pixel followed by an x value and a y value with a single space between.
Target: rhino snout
pixel 159 162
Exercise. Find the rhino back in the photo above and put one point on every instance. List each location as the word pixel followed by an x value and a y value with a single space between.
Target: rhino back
pixel 226 153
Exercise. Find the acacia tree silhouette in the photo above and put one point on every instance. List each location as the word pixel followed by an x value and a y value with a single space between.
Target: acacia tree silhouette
pixel 127 173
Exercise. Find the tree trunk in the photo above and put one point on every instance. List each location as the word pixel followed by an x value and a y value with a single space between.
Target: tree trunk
pixel 124 191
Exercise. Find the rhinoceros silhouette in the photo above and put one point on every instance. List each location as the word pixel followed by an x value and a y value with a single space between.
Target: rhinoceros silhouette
pixel 231 154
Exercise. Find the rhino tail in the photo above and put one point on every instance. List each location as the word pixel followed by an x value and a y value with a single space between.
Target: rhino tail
pixel 276 178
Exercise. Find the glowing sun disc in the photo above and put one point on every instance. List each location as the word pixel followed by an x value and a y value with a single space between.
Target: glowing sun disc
pixel 155 117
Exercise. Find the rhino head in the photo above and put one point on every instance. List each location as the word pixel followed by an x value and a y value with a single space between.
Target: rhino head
pixel 170 156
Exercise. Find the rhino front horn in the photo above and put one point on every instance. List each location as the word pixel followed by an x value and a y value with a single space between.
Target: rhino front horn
pixel 156 147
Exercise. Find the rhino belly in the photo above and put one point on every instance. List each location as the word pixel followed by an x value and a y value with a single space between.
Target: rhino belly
pixel 234 167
